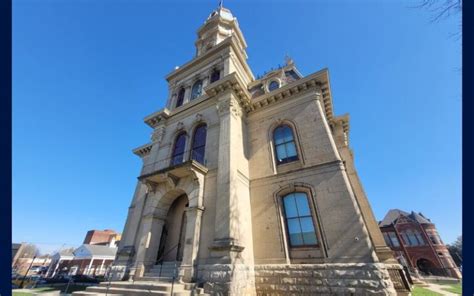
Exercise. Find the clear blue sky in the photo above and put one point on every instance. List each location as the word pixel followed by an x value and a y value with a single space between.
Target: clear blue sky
pixel 86 73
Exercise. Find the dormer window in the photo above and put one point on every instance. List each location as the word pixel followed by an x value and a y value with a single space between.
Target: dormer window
pixel 215 75
pixel 196 90
pixel 273 85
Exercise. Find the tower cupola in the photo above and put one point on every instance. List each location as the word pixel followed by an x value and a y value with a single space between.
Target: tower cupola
pixel 220 25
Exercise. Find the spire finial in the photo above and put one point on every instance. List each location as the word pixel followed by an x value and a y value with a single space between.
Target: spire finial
pixel 288 60
pixel 221 3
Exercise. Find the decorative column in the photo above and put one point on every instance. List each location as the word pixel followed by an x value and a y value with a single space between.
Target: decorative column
pixel 90 266
pixel 56 268
pixel 187 93
pixel 102 265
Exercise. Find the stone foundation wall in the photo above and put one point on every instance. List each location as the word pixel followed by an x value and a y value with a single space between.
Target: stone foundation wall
pixel 227 279
pixel 323 279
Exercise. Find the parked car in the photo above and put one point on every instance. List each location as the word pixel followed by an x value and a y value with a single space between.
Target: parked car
pixel 59 279
pixel 35 269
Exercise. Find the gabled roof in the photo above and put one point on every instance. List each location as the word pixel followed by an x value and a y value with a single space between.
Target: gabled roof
pixel 95 250
pixel 392 216
pixel 66 252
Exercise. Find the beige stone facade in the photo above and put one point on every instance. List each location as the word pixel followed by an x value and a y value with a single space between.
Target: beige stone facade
pixel 221 216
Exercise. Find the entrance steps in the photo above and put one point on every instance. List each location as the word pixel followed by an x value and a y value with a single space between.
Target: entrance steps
pixel 158 281
pixel 141 288
pixel 165 270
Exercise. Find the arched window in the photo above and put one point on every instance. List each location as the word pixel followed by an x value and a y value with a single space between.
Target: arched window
pixel 180 99
pixel 299 221
pixel 215 75
pixel 196 90
pixel 199 143
pixel 285 147
pixel 412 238
pixel 178 150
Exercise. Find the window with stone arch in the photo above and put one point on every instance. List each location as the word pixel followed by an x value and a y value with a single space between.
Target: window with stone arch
pixel 284 144
pixel 198 148
pixel 300 226
pixel 196 90
pixel 215 75
pixel 180 99
pixel 178 149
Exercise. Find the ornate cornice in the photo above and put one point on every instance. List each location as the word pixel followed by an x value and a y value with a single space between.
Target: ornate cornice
pixel 232 41
pixel 316 80
pixel 158 117
pixel 342 120
pixel 143 150
pixel 231 82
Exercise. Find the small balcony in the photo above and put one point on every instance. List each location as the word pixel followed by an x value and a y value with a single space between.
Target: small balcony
pixel 176 167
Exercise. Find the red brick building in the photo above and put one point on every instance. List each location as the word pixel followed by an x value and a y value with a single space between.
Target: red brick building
pixel 417 244
pixel 92 258
pixel 101 237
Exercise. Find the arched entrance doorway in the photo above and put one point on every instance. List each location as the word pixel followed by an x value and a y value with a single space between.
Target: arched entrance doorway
pixel 427 267
pixel 174 232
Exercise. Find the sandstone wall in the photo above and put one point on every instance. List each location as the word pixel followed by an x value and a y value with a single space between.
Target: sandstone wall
pixel 323 279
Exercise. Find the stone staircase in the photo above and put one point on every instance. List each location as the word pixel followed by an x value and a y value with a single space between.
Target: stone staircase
pixel 166 270
pixel 153 283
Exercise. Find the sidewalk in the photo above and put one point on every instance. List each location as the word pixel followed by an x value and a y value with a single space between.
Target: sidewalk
pixel 437 288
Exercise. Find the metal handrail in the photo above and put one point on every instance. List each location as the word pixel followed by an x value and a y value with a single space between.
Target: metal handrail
pixel 160 260
pixel 128 265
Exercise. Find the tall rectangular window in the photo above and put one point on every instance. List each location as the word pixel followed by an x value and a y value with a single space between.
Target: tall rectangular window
pixel 387 239
pixel 178 150
pixel 299 220
pixel 199 144
pixel 285 146
pixel 394 239
pixel 420 239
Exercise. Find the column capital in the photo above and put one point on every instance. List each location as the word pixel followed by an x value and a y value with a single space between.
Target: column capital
pixel 153 216
pixel 196 209
pixel 229 105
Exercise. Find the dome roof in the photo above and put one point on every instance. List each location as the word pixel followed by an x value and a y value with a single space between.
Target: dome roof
pixel 221 12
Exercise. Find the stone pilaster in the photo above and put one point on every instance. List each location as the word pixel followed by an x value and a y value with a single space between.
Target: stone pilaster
pixel 232 248
pixel 148 246
pixel 191 241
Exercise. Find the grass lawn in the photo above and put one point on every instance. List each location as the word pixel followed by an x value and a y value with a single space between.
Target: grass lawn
pixel 453 288
pixel 61 287
pixel 419 291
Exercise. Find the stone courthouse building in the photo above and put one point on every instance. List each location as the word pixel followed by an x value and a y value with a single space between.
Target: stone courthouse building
pixel 248 185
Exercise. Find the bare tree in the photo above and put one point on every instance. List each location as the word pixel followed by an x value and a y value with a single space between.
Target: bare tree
pixel 29 251
pixel 443 9
pixel 455 249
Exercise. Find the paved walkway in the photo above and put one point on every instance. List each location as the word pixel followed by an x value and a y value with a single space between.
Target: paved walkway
pixel 437 288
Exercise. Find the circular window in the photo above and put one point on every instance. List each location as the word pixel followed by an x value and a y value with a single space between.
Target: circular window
pixel 273 85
